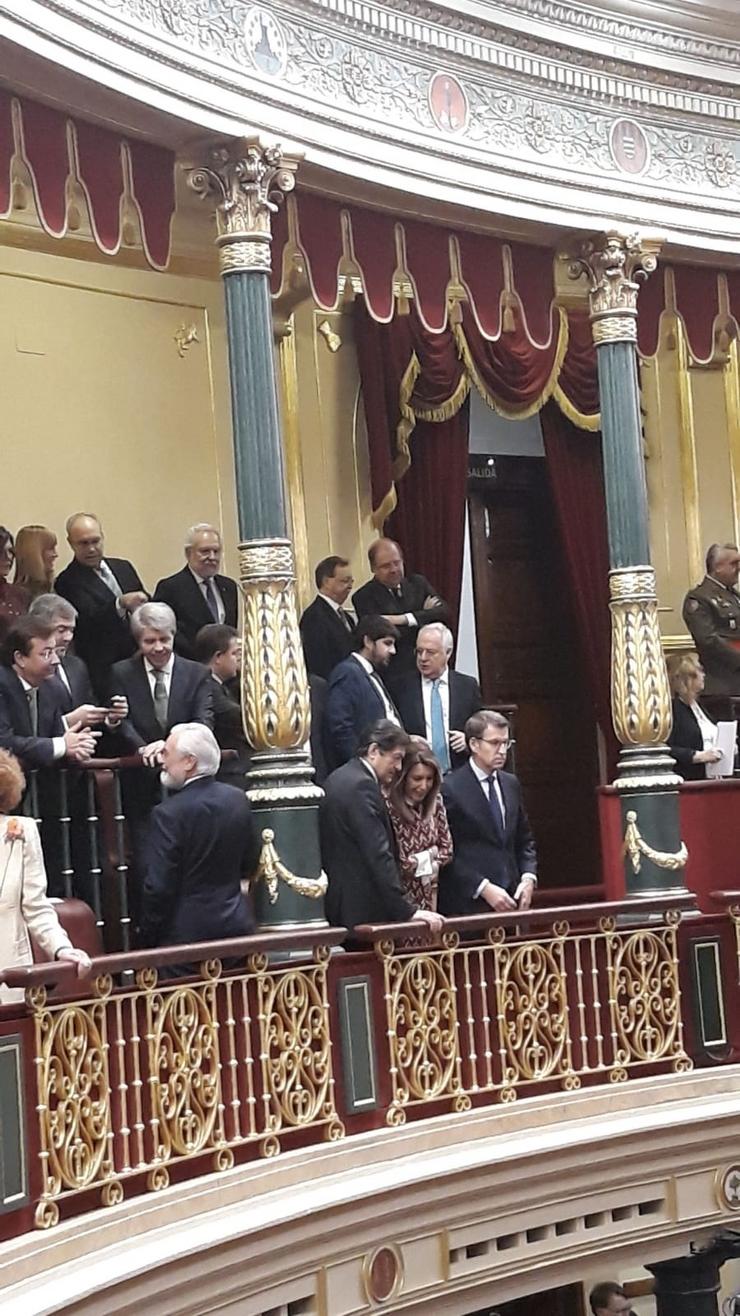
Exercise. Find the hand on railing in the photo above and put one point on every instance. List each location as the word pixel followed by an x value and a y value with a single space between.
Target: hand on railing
pixel 79 743
pixel 433 920
pixel 525 891
pixel 75 956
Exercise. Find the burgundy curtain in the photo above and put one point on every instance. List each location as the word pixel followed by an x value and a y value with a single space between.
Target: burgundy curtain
pixel 576 475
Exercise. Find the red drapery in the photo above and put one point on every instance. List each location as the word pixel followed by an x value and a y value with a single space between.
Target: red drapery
pixel 54 148
pixel 576 474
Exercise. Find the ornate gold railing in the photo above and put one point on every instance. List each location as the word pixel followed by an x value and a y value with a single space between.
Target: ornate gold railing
pixel 548 1008
pixel 134 1081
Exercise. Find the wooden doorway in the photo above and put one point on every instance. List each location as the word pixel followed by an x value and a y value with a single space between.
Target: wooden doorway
pixel 566 1301
pixel 529 655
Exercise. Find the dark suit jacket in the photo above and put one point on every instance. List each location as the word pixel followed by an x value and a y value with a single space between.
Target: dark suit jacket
pixel 80 686
pixel 318 691
pixel 190 699
pixel 229 732
pixel 480 851
pixel 358 851
pixel 352 705
pixel 16 734
pixel 465 699
pixel 326 640
pixel 202 841
pixel 102 638
pixel 374 598
pixel 685 739
pixel 184 596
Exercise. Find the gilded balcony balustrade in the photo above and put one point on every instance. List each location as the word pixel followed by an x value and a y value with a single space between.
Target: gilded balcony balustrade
pixel 134 1078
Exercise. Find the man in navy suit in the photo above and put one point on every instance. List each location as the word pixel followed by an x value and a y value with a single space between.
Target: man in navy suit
pixel 435 702
pixel 105 591
pixel 202 845
pixel 198 595
pixel 494 866
pixel 326 626
pixel 32 721
pixel 357 696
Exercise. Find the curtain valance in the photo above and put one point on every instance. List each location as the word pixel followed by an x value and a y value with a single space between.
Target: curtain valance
pixel 55 148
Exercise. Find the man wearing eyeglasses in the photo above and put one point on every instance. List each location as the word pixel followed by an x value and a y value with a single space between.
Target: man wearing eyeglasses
pixel 494 866
pixel 609 1299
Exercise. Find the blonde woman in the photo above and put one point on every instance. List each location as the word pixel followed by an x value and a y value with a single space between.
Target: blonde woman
pixel 693 737
pixel 25 909
pixel 35 555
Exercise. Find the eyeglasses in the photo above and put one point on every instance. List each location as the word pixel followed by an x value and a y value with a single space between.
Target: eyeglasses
pixel 500 744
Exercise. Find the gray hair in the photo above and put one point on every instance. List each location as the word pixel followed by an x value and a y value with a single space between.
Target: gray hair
pixel 442 632
pixel 155 617
pixel 47 607
pixel 715 552
pixel 198 740
pixel 198 529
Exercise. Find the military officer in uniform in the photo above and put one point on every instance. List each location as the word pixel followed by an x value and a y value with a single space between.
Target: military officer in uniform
pixel 712 613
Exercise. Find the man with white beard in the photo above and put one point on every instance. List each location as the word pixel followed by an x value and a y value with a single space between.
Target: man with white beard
pixel 202 843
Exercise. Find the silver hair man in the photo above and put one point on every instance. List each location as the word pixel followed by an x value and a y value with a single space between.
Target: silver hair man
pixel 52 607
pixel 193 740
pixel 442 632
pixel 153 617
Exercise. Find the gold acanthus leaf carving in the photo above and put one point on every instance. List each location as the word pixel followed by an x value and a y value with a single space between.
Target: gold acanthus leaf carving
pixel 615 264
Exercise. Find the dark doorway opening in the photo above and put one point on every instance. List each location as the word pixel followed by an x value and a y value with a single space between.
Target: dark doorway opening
pixel 529 656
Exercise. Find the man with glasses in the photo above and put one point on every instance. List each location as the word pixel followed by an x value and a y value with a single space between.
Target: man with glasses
pixel 495 862
pixel 199 595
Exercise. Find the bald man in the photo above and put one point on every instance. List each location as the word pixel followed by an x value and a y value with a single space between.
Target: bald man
pixel 105 591
pixel 407 602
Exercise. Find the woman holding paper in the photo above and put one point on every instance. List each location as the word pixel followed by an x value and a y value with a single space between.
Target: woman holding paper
pixel 693 738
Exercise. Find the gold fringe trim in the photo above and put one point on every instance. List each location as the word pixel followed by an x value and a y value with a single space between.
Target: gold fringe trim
pixel 380 514
pixel 447 409
pixel 582 419
pixel 515 413
pixel 407 423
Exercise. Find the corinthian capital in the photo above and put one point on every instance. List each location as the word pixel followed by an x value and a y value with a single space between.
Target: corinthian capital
pixel 248 183
pixel 615 265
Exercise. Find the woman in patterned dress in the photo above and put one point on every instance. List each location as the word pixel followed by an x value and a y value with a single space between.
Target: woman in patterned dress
pixel 419 821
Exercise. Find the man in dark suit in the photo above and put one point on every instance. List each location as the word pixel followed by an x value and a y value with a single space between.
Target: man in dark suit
pixel 217 649
pixel 357 846
pixel 407 602
pixel 435 702
pixel 494 866
pixel 71 679
pixel 202 845
pixel 105 591
pixel 326 626
pixel 357 696
pixel 198 595
pixel 32 724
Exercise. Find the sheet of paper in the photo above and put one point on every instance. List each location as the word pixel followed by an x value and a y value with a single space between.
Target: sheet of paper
pixel 726 738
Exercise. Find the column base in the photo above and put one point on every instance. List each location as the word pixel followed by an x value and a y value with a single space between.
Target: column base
pixel 654 854
pixel 289 886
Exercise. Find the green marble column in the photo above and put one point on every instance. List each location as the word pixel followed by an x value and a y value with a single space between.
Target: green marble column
pixel 654 857
pixel 247 183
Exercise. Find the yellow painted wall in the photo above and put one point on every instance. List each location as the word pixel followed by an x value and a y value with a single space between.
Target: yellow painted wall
pixel 100 412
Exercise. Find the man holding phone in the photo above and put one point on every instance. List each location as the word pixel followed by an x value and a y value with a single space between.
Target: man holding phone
pixel 494 867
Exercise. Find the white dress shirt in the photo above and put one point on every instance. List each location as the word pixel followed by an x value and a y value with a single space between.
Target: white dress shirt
pixel 483 778
pixel 390 711
pixel 201 582
pixel 339 608
pixel 707 727
pixel 427 686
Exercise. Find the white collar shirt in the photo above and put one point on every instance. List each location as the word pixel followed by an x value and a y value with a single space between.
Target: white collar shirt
pixel 367 667
pixel 166 671
pixel 484 779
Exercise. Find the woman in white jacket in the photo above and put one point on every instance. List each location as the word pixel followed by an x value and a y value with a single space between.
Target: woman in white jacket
pixel 25 908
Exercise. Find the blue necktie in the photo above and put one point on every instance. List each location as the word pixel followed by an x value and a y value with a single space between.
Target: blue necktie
pixel 439 740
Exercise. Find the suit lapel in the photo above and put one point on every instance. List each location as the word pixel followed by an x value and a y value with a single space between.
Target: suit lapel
pixel 417 710
pixel 143 697
pixel 508 791
pixel 479 804
pixel 196 602
pixel 23 712
pixel 177 684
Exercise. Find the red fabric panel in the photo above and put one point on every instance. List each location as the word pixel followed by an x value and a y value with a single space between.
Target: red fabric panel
pixel 383 353
pixel 374 245
pixel 697 299
pixel 153 177
pixel 482 269
pixel 534 281
pixel 321 239
pixel 101 171
pixel 511 368
pixel 576 474
pixel 429 521
pixel 45 142
pixel 6 149
pixel 650 307
pixel 579 378
pixel 441 367
pixel 428 261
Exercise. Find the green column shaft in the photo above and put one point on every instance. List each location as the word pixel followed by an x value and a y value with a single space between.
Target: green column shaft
pixel 260 488
pixel 624 471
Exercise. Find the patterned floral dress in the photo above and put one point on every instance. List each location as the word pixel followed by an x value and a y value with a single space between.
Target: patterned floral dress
pixel 413 838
